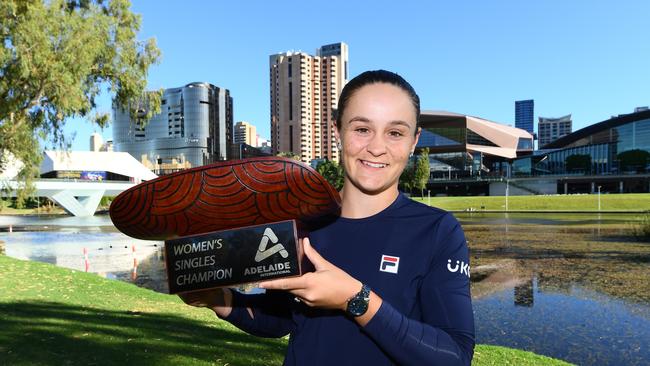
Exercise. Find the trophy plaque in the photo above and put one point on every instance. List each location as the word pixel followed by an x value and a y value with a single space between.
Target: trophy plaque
pixel 228 257
pixel 228 223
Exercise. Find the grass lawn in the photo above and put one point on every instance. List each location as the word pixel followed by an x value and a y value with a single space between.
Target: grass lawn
pixel 57 316
pixel 56 210
pixel 579 202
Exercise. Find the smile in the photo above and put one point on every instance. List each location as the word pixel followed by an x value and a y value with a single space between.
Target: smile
pixel 373 165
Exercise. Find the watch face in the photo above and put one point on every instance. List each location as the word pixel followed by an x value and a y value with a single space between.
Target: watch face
pixel 357 307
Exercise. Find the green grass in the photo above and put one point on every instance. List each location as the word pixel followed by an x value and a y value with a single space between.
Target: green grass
pixel 633 202
pixel 57 316
pixel 486 355
pixel 584 202
pixel 56 210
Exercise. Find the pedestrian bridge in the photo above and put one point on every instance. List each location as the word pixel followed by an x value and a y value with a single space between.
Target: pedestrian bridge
pixel 78 197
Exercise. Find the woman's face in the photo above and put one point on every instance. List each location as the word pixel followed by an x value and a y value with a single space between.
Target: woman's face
pixel 377 135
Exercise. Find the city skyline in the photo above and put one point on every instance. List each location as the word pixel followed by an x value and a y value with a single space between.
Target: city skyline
pixel 582 58
pixel 194 127
pixel 304 92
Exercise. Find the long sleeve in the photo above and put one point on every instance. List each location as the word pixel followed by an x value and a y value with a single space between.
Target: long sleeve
pixel 445 334
pixel 271 314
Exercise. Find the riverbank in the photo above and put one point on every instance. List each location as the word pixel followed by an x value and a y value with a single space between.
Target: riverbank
pixel 45 210
pixel 609 203
pixel 614 203
pixel 55 316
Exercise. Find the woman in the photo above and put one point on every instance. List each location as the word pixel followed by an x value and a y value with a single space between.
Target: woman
pixel 391 279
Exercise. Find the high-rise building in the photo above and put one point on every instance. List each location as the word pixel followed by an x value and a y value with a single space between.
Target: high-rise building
pixel 107 146
pixel 525 115
pixel 193 128
pixel 245 133
pixel 551 129
pixel 304 91
pixel 96 142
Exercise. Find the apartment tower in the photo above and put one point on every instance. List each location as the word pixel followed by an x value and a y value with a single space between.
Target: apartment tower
pixel 304 91
pixel 551 129
pixel 245 133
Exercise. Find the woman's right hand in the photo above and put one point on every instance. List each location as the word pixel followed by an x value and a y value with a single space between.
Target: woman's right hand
pixel 217 299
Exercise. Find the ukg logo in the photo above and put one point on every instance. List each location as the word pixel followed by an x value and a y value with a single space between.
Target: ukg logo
pixel 460 265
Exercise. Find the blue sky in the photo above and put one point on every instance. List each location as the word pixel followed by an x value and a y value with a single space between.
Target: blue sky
pixel 587 58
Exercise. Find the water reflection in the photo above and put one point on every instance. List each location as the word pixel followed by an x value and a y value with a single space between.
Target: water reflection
pixel 109 254
pixel 579 326
pixel 577 292
pixel 524 294
pixel 150 273
pixel 40 222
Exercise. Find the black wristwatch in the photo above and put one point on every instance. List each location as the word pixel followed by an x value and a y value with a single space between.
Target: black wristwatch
pixel 358 304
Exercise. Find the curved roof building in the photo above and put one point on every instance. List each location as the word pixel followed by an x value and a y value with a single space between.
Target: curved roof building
pixel 619 145
pixel 467 145
pixel 614 130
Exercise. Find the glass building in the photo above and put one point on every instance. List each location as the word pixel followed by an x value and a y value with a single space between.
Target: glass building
pixel 194 128
pixel 463 146
pixel 613 154
pixel 473 156
pixel 524 115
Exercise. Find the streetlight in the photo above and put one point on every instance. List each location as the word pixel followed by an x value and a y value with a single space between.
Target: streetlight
pixel 598 198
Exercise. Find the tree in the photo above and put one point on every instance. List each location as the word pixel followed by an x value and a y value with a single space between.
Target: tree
pixel 55 58
pixel 407 178
pixel 578 163
pixel 634 160
pixel 332 172
pixel 422 171
pixel 288 154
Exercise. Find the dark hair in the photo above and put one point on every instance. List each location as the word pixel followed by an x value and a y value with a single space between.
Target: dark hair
pixel 375 77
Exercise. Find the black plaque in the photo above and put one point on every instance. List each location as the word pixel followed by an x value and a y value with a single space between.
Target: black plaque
pixel 232 257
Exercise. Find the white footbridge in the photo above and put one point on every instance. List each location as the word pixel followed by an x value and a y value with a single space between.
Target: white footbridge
pixel 106 173
pixel 80 198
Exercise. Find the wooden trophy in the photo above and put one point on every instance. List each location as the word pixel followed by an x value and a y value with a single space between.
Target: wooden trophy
pixel 229 223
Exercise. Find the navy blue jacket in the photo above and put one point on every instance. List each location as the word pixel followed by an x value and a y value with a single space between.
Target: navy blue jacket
pixel 416 259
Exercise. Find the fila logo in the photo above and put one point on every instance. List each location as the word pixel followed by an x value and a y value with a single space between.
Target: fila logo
pixel 263 253
pixel 389 264
pixel 464 267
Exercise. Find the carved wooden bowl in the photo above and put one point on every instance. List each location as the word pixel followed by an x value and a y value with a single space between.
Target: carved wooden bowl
pixel 224 195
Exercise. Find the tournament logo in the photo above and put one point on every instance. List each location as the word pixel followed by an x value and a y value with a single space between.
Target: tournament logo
pixel 275 268
pixel 263 253
pixel 389 264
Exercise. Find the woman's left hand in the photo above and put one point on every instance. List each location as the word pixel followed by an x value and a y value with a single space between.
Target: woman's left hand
pixel 328 287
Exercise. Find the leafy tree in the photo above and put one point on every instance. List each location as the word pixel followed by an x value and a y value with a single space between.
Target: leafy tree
pixel 636 160
pixel 288 154
pixel 332 172
pixel 422 171
pixel 56 56
pixel 407 177
pixel 578 163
